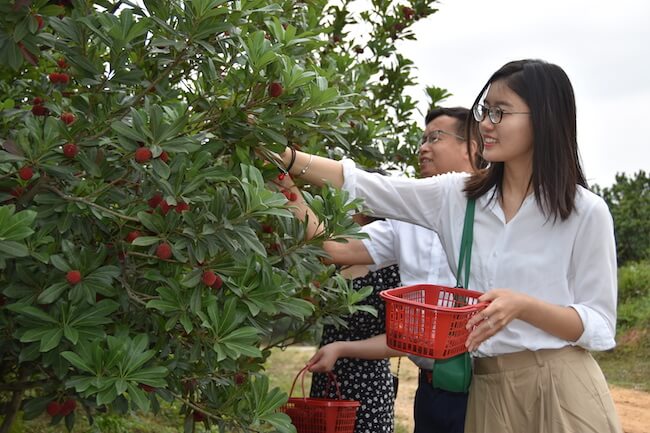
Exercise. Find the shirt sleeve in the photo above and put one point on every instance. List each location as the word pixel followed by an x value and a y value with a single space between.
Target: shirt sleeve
pixel 595 278
pixel 417 201
pixel 380 244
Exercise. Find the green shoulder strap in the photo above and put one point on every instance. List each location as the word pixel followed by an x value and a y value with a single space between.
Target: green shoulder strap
pixel 465 256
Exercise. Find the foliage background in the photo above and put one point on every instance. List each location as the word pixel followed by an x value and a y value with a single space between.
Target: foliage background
pixel 131 139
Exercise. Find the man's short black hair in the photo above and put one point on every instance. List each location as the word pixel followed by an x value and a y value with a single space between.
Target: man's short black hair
pixel 461 114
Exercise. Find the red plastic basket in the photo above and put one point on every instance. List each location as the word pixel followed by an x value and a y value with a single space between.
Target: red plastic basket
pixel 429 320
pixel 320 415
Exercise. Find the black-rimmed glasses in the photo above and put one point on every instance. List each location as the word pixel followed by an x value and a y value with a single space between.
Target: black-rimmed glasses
pixel 434 136
pixel 495 114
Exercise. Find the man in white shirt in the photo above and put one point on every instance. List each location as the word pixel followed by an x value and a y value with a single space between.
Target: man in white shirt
pixel 421 259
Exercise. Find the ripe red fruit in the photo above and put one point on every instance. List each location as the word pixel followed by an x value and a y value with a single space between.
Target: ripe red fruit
pixel 17 191
pixel 240 378
pixel 266 228
pixel 293 196
pixel 39 110
pixel 408 12
pixel 275 89
pixel 53 408
pixel 209 278
pixel 281 176
pixel 38 100
pixel 133 235
pixel 68 407
pixel 198 416
pixel 164 207
pixel 164 156
pixel 26 172
pixel 154 201
pixel 164 251
pixel 61 63
pixel 70 150
pixel 146 388
pixel 143 154
pixel 68 118
pixel 218 283
pixel 73 277
pixel 182 207
pixel 39 20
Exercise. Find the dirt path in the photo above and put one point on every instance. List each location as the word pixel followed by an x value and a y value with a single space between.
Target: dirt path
pixel 633 406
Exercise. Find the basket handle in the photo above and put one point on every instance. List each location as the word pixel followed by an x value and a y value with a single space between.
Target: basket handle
pixel 331 376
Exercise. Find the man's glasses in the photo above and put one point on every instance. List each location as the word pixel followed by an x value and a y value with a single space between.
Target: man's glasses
pixel 434 136
pixel 495 114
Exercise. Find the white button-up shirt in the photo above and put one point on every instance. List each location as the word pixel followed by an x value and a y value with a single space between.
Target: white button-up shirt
pixel 569 263
pixel 417 251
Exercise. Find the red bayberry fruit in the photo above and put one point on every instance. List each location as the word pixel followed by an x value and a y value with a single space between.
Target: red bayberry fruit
pixel 61 63
pixel 287 194
pixel 133 235
pixel 143 154
pixel 146 388
pixel 53 408
pixel 26 172
pixel 266 228
pixel 182 207
pixel 64 78
pixel 198 416
pixel 68 118
pixel 38 100
pixel 17 191
pixel 293 196
pixel 68 407
pixel 154 201
pixel 70 150
pixel 398 27
pixel 408 12
pixel 208 278
pixel 240 378
pixel 40 21
pixel 164 251
pixel 281 176
pixel 164 156
pixel 336 39
pixel 39 110
pixel 73 277
pixel 275 89
pixel 164 207
pixel 218 282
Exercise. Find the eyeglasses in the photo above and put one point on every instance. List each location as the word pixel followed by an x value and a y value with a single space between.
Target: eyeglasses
pixel 494 113
pixel 434 136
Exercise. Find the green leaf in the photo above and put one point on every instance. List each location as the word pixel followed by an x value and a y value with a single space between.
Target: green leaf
pixel 13 249
pixel 50 340
pixel 52 293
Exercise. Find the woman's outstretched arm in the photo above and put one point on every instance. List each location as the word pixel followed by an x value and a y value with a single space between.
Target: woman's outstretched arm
pixel 315 170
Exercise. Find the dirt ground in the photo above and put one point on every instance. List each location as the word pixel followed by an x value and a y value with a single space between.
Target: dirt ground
pixel 633 406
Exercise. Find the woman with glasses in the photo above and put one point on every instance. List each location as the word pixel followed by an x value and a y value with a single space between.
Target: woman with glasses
pixel 543 253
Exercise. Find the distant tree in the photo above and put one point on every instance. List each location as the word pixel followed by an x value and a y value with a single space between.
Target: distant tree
pixel 629 201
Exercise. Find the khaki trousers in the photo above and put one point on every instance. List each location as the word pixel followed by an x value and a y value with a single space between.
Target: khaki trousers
pixel 547 391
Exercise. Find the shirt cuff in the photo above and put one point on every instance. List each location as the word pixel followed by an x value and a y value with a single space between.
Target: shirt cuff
pixel 349 177
pixel 596 335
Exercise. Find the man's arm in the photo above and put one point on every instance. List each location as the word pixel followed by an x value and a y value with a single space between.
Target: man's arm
pixel 352 252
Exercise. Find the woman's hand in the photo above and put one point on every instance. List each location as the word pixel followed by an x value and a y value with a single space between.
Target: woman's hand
pixel 504 306
pixel 324 360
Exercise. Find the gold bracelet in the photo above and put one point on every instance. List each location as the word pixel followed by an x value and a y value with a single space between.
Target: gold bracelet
pixel 304 170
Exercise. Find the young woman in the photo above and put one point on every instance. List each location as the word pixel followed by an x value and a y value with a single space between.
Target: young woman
pixel 543 253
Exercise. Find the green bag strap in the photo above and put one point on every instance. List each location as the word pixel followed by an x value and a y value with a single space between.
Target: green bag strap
pixel 465 256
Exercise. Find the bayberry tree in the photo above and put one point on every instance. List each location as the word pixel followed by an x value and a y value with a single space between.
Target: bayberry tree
pixel 145 252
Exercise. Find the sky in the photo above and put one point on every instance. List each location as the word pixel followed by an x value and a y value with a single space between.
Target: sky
pixel 603 46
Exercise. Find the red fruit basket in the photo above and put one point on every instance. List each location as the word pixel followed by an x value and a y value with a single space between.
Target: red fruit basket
pixel 320 415
pixel 429 320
